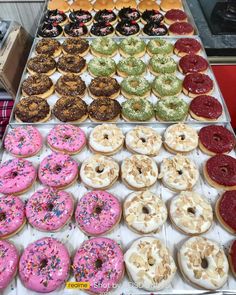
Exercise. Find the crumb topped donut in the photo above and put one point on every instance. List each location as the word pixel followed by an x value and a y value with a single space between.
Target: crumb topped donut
pixel 70 85
pixel 102 66
pixel 47 46
pixel 41 64
pixel 132 46
pixel 101 87
pixel 104 110
pixel 71 64
pixel 104 46
pixel 39 85
pixel 76 46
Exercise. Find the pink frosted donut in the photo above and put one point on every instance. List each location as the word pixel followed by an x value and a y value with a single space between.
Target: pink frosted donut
pixel 58 170
pixel 12 216
pixel 23 141
pixel 16 176
pixel 68 139
pixel 44 265
pixel 97 212
pixel 8 263
pixel 49 210
pixel 100 262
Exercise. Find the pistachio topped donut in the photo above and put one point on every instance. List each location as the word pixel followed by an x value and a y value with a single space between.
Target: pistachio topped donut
pixel 135 86
pixel 159 46
pixel 101 87
pixel 166 85
pixel 132 46
pixel 131 66
pixel 41 64
pixel 70 85
pixel 75 46
pixel 102 66
pixel 162 64
pixel 104 46
pixel 137 109
pixel 39 85
pixel 49 47
pixel 71 64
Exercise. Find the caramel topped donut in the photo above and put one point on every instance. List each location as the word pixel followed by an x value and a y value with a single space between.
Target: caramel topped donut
pixel 105 16
pixel 48 30
pixel 128 13
pixel 181 28
pixel 71 64
pixel 39 85
pixel 155 29
pixel 70 85
pixel 185 46
pixel 49 47
pixel 193 63
pixel 196 84
pixel 175 15
pixel 102 29
pixel 104 87
pixel 104 110
pixel 81 16
pixel 75 30
pixel 41 64
pixel 55 16
pixel 152 16
pixel 127 28
pixel 75 46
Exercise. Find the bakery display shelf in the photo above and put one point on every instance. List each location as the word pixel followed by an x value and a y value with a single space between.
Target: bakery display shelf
pixel 87 78
pixel 72 237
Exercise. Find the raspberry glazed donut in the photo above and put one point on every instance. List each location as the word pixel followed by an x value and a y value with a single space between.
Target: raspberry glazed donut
pixel 44 265
pixel 181 28
pixel 215 139
pixel 49 210
pixel 179 173
pixel 106 139
pixel 8 263
pixel 50 47
pixel 39 85
pixel 70 85
pixel 12 216
pixel 180 138
pixel 144 212
pixel 97 213
pixel 143 140
pixel 225 211
pixel 139 172
pixel 23 142
pixel 149 264
pixel 185 46
pixel 76 46
pixel 220 172
pixel 16 176
pixel 100 262
pixel 231 257
pixel 58 171
pixel 101 87
pixel 192 63
pixel 175 15
pixel 73 64
pixel 197 84
pixel 99 172
pixel 41 64
pixel 66 139
pixel 191 213
pixel 203 263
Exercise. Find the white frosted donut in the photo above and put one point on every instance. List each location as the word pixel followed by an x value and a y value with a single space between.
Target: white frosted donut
pixel 99 172
pixel 179 173
pixel 144 212
pixel 149 264
pixel 191 213
pixel 143 140
pixel 203 263
pixel 106 139
pixel 180 138
pixel 139 172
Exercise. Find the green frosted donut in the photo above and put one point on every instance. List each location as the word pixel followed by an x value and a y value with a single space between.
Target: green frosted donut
pixel 162 64
pixel 132 46
pixel 137 109
pixel 131 66
pixel 102 66
pixel 104 46
pixel 135 86
pixel 159 46
pixel 171 109
pixel 166 85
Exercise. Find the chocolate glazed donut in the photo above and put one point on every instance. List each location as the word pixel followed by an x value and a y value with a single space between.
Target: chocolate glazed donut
pixel 105 16
pixel 39 85
pixel 48 30
pixel 155 29
pixel 55 16
pixel 75 30
pixel 127 28
pixel 104 87
pixel 41 64
pixel 102 29
pixel 71 64
pixel 70 85
pixel 128 13
pixel 81 16
pixel 152 16
pixel 104 110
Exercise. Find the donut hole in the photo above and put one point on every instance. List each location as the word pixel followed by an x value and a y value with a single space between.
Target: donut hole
pixel 67 137
pixel 2 216
pixel 57 169
pixel 204 263
pixel 143 139
pixel 180 172
pixel 98 209
pixel 14 174
pixel 151 261
pixel 224 169
pixel 145 210
pixel 172 106
pixel 216 137
pixel 139 170
pixel 105 136
pixel 182 137
pixel 137 107
pixel 98 263
pixel 99 169
pixel 191 210
pixel 168 82
pixel 22 139
pixel 50 207
pixel 43 263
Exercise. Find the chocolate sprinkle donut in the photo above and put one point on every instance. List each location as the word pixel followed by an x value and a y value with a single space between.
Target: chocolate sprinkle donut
pixel 75 46
pixel 127 28
pixel 104 109
pixel 155 29
pixel 76 29
pixel 41 64
pixel 102 29
pixel 47 46
pixel 81 16
pixel 101 87
pixel 48 30
pixel 70 85
pixel 71 64
pixel 36 85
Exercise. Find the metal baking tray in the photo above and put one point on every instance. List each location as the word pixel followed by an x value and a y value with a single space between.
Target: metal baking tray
pixel 72 237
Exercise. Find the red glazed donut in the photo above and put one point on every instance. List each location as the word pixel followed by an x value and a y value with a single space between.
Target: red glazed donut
pixel 185 46
pixel 196 84
pixel 192 63
pixel 175 15
pixel 232 257
pixel 181 28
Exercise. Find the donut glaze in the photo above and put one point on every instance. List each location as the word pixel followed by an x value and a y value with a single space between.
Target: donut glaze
pixel 128 13
pixel 76 29
pixel 197 83
pixel 105 15
pixel 176 15
pixel 100 262
pixel 81 16
pixel 181 28
pixel 16 176
pixel 226 207
pixel 127 27
pixel 44 265
pixel 185 46
pixel 8 263
pixel 58 170
pixel 97 212
pixel 155 29
pixel 152 16
pixel 102 29
pixel 217 139
pixel 55 16
pixel 193 63
pixel 49 30
pixel 232 256
pixel 23 141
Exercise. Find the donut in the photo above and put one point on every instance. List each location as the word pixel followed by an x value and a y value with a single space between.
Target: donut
pixel 70 85
pixel 81 4
pixel 197 84
pixel 203 263
pixel 149 264
pixel 103 4
pixel 125 3
pixel 32 109
pixel 81 16
pixel 137 109
pixel 104 110
pixel 99 172
pixel 127 27
pixel 44 265
pixel 185 46
pixel 162 64
pixel 102 29
pixel 71 64
pixel 104 47
pixel 97 213
pixel 155 29
pixel 144 212
pixel 16 176
pixel 159 46
pixel 175 15
pixel 180 138
pixel 66 139
pixel 151 15
pixel 143 140
pixel 181 28
pixel 129 13
pixel 231 257
pixel 75 46
pixel 170 4
pixel 135 86
pixel 12 217
pixel 49 30
pixel 49 210
pixel 192 63
pixel 8 263
pixel 166 85
pixel 49 47
pixel 55 16
pixel 102 66
pixel 106 139
pixel 205 108
pixel 58 4
pixel 220 172
pixel 178 173
pixel 100 262
pixel 101 87
pixel 58 171
pixel 148 5
pixel 225 211
pixel 172 109
pixel 38 85
pixel 70 109
pixel 76 30
pixel 131 66
pixel 105 15
pixel 139 172
pixel 190 213
pixel 216 140
pixel 132 46
pixel 41 64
